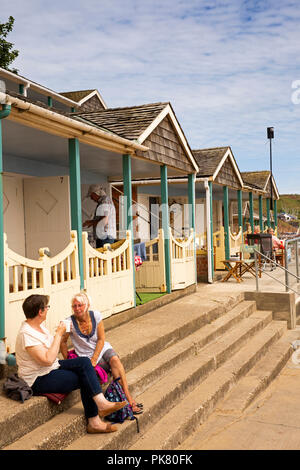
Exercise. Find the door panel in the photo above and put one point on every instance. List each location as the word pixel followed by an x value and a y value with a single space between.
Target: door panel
pixel 47 214
pixel 13 213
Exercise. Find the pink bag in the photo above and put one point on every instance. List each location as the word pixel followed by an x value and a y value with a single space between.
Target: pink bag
pixel 99 370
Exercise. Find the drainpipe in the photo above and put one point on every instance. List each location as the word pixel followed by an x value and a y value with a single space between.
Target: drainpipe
pixel 3 114
pixel 208 232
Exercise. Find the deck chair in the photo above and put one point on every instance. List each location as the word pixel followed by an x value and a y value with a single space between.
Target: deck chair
pixel 264 240
pixel 248 258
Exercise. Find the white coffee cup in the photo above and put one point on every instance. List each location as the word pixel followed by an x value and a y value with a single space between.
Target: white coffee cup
pixel 68 325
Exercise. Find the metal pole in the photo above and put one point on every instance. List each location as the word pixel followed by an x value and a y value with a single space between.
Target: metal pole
pixel 271 186
pixel 286 266
pixel 270 135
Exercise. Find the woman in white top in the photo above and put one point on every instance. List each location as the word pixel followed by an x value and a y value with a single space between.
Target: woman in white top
pixel 38 366
pixel 88 338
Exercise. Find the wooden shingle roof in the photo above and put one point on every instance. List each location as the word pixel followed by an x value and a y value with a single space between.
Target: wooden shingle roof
pixel 209 159
pixel 258 179
pixel 128 122
pixel 76 95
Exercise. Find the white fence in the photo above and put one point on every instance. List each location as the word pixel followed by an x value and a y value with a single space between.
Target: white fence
pixel 57 277
pixel 108 276
pixel 150 277
pixel 183 269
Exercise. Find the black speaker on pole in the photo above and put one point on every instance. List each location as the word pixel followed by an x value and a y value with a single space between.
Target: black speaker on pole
pixel 270 132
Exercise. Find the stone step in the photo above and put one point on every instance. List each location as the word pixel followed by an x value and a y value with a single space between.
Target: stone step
pixel 179 381
pixel 54 428
pixel 144 337
pixel 17 419
pixel 243 394
pixel 174 427
pixel 39 410
pixel 258 379
pixel 150 371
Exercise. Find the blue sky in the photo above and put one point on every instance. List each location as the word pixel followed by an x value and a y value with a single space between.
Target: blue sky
pixel 226 66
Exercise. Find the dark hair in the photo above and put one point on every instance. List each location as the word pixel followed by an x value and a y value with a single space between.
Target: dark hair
pixel 33 304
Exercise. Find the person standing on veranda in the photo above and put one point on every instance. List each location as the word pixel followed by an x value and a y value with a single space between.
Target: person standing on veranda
pixel 104 221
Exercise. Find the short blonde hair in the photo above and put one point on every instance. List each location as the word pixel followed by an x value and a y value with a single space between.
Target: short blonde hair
pixel 82 297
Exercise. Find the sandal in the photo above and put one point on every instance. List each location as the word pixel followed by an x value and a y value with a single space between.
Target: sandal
pixel 108 428
pixel 136 409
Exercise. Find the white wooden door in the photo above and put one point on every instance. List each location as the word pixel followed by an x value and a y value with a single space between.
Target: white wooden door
pixel 13 213
pixel 47 214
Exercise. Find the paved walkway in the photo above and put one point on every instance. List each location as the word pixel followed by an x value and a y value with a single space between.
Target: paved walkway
pixel 272 422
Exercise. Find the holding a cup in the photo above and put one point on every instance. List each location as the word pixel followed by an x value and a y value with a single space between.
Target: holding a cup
pixel 68 325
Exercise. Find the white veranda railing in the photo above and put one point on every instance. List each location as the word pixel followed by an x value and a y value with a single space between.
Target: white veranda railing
pixel 57 277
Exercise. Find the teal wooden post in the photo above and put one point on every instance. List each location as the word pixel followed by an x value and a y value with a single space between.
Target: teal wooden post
pixel 165 223
pixel 192 199
pixel 268 213
pixel 128 207
pixel 75 197
pixel 275 214
pixel 211 228
pixel 191 194
pixel 261 223
pixel 240 207
pixel 251 211
pixel 226 222
pixel 50 101
pixel 3 114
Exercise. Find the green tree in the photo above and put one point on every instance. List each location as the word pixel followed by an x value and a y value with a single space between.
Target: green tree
pixel 7 53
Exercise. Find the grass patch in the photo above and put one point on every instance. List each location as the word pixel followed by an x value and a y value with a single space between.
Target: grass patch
pixel 148 296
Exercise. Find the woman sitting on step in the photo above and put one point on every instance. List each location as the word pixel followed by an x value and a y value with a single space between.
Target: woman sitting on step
pixel 36 355
pixel 88 339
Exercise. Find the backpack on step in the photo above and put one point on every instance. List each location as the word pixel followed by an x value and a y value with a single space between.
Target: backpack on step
pixel 115 392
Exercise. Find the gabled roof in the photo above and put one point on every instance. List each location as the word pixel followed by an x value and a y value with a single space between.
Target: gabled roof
pixel 130 121
pixel 138 122
pixel 211 160
pixel 76 95
pixel 29 84
pixel 81 96
pixel 259 180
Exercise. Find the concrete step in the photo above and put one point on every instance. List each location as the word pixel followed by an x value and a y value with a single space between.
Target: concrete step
pixel 139 340
pixel 146 335
pixel 150 371
pixel 258 379
pixel 51 438
pixel 178 382
pixel 17 419
pixel 174 427
pixel 242 395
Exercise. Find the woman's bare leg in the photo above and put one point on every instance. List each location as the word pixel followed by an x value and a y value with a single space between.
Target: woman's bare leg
pixel 118 370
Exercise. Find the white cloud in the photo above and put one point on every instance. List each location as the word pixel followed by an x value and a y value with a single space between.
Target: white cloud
pixel 226 66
